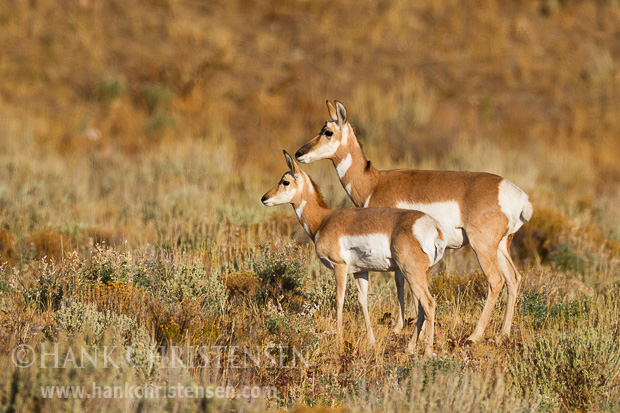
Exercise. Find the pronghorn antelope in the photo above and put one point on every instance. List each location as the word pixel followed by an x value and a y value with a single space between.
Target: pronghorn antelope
pixel 481 209
pixel 355 240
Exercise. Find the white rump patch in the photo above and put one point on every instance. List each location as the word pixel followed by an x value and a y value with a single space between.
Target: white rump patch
pixel 425 231
pixel 514 204
pixel 344 165
pixel 448 214
pixel 367 253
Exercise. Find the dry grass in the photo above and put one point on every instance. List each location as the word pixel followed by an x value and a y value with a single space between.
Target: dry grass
pixel 136 139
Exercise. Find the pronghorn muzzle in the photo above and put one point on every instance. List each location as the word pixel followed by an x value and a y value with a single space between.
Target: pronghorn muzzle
pixel 304 150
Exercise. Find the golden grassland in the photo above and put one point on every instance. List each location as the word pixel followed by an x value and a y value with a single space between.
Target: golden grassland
pixel 137 137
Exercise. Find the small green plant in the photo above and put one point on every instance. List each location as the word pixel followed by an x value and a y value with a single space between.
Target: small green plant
pixel 110 88
pixel 157 97
pixel 159 123
pixel 579 369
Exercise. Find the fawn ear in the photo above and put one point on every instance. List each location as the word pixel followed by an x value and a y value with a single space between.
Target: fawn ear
pixel 292 165
pixel 332 111
pixel 341 112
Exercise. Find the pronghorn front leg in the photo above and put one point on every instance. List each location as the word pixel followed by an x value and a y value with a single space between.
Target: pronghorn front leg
pixel 341 271
pixel 361 281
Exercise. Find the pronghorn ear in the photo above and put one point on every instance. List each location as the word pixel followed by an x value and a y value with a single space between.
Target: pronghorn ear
pixel 332 111
pixel 292 165
pixel 341 113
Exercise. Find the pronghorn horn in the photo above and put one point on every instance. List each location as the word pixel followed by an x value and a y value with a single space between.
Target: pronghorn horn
pixel 332 110
pixel 341 113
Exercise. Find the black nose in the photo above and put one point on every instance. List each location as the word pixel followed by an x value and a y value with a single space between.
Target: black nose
pixel 263 199
pixel 300 152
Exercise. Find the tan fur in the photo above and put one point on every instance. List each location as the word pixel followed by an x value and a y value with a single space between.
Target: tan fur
pixel 481 217
pixel 328 227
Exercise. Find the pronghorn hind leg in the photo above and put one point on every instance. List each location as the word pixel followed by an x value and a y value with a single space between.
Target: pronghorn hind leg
pixel 399 279
pixel 361 281
pixel 487 257
pixel 418 329
pixel 416 275
pixel 341 271
pixel 513 280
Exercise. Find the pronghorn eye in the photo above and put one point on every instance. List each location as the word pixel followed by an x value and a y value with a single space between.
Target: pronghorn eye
pixel 285 183
pixel 328 133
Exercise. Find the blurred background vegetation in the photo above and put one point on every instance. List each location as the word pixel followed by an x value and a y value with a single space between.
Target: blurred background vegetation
pixel 156 125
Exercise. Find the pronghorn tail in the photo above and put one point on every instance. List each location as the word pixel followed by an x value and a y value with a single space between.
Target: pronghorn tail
pixel 527 211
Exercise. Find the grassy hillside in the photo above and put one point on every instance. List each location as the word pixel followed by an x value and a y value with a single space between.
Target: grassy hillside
pixel 137 137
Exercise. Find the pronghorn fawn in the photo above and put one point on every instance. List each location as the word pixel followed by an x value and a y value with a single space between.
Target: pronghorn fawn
pixel 481 209
pixel 355 241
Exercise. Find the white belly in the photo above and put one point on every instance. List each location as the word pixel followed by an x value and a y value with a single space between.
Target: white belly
pixel 367 253
pixel 448 214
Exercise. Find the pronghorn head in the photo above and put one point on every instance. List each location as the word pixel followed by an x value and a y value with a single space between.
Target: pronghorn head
pixel 291 187
pixel 334 134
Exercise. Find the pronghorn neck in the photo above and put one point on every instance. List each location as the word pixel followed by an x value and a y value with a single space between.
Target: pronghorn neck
pixel 357 176
pixel 311 210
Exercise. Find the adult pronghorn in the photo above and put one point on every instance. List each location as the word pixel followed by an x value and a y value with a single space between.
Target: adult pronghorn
pixel 480 208
pixel 355 240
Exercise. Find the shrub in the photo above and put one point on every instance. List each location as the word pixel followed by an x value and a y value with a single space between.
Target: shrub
pixel 281 270
pixel 564 257
pixel 540 235
pixel 108 265
pixel 188 281
pixel 536 308
pixel 322 291
pixel 41 284
pixel 291 329
pixel 578 369
pixel 242 283
pixel 80 317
